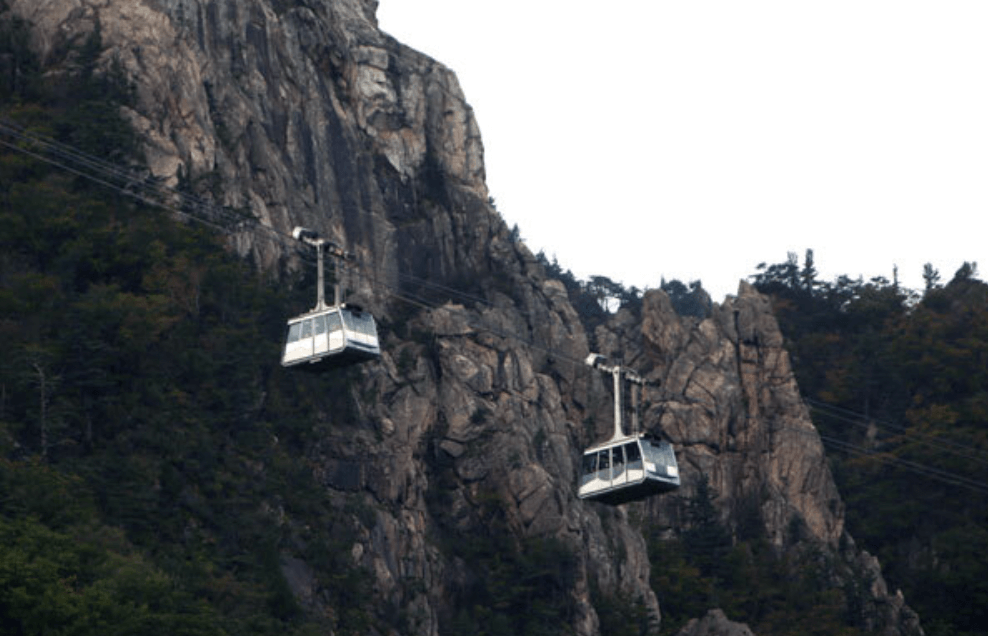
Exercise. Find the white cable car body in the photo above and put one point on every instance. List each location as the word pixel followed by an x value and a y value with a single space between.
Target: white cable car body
pixel 335 336
pixel 626 467
pixel 329 336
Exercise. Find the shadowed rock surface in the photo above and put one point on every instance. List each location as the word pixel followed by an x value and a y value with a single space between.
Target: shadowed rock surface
pixel 715 623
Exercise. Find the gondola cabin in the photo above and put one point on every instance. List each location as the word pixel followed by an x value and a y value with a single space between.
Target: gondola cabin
pixel 329 338
pixel 628 469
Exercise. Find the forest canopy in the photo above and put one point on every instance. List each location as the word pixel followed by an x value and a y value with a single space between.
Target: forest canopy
pixel 897 384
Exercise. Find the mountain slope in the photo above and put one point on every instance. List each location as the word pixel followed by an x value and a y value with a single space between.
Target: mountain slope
pixel 451 464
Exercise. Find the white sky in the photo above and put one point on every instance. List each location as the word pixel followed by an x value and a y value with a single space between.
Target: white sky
pixel 697 138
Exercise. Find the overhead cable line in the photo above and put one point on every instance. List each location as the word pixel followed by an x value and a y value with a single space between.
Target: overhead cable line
pixel 141 188
pixel 87 166
pixel 862 421
pixel 127 183
pixel 926 470
pixel 135 195
pixel 226 221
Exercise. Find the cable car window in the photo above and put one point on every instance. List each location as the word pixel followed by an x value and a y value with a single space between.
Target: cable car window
pixel 294 331
pixel 307 329
pixel 604 460
pixel 618 457
pixel 320 325
pixel 634 454
pixel 663 453
pixel 362 323
pixel 590 463
pixel 333 322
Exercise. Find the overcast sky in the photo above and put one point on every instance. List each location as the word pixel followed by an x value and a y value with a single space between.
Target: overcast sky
pixel 695 139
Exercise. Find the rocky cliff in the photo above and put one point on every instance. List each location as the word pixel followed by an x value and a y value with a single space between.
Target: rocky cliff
pixel 303 113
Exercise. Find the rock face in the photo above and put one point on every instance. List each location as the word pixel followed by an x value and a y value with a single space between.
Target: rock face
pixel 304 113
pixel 715 623
pixel 730 400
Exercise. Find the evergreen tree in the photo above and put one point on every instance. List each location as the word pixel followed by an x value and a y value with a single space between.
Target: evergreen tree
pixel 808 274
pixel 967 271
pixel 931 277
pixel 20 71
pixel 692 301
pixel 908 376
pixel 706 540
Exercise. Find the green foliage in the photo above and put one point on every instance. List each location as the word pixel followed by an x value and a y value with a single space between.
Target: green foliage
pixel 902 379
pixel 152 450
pixel 693 301
pixel 518 589
pixel 20 72
pixel 683 591
pixel 62 571
pixel 596 298
pixel 775 594
pixel 706 539
pixel 512 587
pixel 621 615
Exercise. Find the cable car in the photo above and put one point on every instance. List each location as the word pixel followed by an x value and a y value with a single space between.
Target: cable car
pixel 626 467
pixel 329 336
pixel 335 336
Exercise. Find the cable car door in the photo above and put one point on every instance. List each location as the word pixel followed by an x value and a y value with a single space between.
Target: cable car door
pixel 618 472
pixel 298 344
pixel 320 342
pixel 335 338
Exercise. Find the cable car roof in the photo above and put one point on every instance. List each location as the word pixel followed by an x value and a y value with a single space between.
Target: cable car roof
pixel 611 443
pixel 355 309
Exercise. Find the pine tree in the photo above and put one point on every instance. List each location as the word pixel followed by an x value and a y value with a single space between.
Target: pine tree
pixel 931 277
pixel 808 274
pixel 707 540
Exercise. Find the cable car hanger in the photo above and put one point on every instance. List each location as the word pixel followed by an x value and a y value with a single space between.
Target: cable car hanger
pixel 322 246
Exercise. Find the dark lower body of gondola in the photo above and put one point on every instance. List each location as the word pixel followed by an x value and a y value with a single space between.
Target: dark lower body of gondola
pixel 334 360
pixel 625 492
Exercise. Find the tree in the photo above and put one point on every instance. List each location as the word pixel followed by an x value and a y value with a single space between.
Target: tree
pixel 967 271
pixel 808 274
pixel 692 301
pixel 707 540
pixel 931 277
pixel 782 277
pixel 20 72
pixel 908 376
